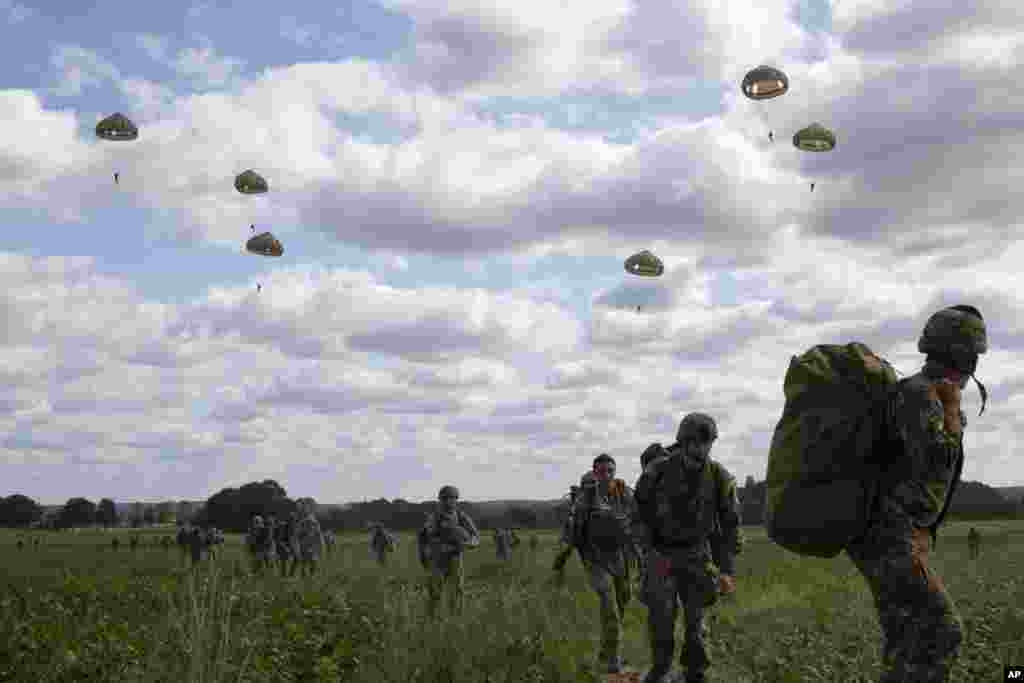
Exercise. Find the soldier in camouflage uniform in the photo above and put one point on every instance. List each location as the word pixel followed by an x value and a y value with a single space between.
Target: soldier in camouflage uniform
pixel 382 543
pixel 330 540
pixel 602 520
pixel 502 544
pixel 260 543
pixel 686 503
pixel 445 535
pixel 534 543
pixel 567 540
pixel 920 626
pixel 309 542
pixel 974 542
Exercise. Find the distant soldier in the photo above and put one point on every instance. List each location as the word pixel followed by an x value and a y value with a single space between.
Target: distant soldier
pixel 166 542
pixel 21 544
pixel 330 540
pixel 567 539
pixel 534 543
pixel 445 536
pixel 260 544
pixel 214 537
pixel 197 545
pixel 36 542
pixel 502 543
pixel 602 532
pixel 309 543
pixel 513 538
pixel 284 543
pixel 974 542
pixel 382 543
pixel 115 543
pixel 133 543
pixel 182 538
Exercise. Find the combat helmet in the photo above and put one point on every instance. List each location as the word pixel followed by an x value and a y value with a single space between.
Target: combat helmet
pixel 448 490
pixel 697 426
pixel 957 336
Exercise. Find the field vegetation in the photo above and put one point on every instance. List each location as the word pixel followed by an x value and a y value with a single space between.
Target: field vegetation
pixel 74 609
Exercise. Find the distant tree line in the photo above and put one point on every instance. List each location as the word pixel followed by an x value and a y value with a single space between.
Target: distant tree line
pixel 231 509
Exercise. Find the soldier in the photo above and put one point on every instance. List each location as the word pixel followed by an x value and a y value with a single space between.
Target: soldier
pixel 284 542
pixel 197 544
pixel 382 543
pixel 445 535
pixel 329 542
pixel 974 542
pixel 35 542
pixel 567 539
pixel 166 542
pixel 260 543
pixel 502 543
pixel 920 626
pixel 21 544
pixel 309 541
pixel 534 543
pixel 115 543
pixel 133 543
pixel 513 538
pixel 687 514
pixel 602 530
pixel 184 532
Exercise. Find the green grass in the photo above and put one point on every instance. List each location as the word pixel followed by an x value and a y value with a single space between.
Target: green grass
pixel 76 610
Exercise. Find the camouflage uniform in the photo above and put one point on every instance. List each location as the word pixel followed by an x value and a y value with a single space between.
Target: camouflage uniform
pixel 974 542
pixel 921 631
pixel 309 542
pixel 446 533
pixel 197 545
pixel 284 543
pixel 502 544
pixel 382 544
pixel 608 566
pixel 260 543
pixel 688 513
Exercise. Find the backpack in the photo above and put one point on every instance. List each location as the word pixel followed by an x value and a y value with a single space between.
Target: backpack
pixel 599 528
pixel 823 466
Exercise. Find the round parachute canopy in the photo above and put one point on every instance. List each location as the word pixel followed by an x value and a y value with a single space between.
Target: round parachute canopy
pixel 815 138
pixel 264 244
pixel 764 83
pixel 250 182
pixel 116 127
pixel 644 264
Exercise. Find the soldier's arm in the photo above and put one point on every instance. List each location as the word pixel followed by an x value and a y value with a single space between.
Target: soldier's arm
pixel 642 518
pixel 931 452
pixel 730 541
pixel 474 533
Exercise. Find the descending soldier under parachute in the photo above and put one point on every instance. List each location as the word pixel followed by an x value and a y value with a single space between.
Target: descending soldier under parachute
pixel 117 127
pixel 814 138
pixel 764 83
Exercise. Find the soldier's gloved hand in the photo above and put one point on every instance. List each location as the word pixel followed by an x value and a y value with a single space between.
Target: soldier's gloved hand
pixel 949 394
pixel 726 584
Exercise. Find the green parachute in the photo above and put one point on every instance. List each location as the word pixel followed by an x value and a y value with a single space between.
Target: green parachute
pixel 644 264
pixel 250 182
pixel 815 138
pixel 117 127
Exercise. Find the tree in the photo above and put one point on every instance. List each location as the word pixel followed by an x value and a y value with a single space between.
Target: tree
pixel 165 513
pixel 78 512
pixel 106 513
pixel 232 509
pixel 149 516
pixel 19 511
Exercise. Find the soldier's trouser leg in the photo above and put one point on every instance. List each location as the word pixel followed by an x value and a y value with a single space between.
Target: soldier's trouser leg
pixel 921 630
pixel 662 606
pixel 456 586
pixel 607 586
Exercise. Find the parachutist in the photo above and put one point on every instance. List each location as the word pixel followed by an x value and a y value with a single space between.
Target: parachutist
pixel 771 137
pixel 117 178
pixel 812 187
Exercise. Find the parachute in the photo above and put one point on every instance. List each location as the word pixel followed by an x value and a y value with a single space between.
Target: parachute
pixel 117 127
pixel 644 264
pixel 264 244
pixel 815 138
pixel 764 83
pixel 250 182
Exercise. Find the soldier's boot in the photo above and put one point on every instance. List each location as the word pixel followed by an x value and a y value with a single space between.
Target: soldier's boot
pixel 661 665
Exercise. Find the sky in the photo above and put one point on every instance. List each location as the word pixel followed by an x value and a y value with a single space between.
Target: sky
pixel 456 186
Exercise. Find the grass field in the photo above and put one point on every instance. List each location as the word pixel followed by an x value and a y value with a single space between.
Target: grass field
pixel 76 610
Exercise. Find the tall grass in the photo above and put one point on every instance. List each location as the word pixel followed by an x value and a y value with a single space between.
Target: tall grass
pixel 77 611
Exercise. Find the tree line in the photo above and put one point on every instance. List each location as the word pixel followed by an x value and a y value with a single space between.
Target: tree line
pixel 231 509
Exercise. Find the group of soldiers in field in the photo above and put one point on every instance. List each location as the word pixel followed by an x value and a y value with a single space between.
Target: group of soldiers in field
pixel 295 543
pixel 679 527
pixel 197 542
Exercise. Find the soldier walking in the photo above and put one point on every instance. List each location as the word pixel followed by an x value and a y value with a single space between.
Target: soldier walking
pixel 602 521
pixel 502 544
pixel 446 534
pixel 382 543
pixel 974 543
pixel 685 503
pixel 310 542
pixel 260 543
pixel 922 631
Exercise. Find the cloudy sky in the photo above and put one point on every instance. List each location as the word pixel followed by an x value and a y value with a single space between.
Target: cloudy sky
pixel 456 186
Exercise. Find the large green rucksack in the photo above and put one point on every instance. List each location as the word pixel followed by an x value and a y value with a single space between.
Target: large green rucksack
pixel 825 459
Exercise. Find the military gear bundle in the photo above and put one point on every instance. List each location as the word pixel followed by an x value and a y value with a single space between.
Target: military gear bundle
pixel 602 527
pixel 823 464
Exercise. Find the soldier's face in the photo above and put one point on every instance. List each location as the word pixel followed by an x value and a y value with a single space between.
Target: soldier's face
pixel 448 502
pixel 698 450
pixel 604 471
